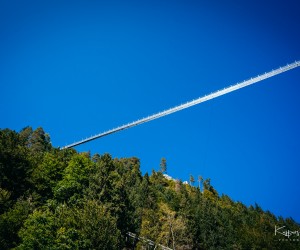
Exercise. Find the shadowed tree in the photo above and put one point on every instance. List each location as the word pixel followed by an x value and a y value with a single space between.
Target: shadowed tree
pixel 15 164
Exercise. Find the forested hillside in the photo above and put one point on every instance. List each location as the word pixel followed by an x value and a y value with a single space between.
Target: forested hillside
pixel 62 199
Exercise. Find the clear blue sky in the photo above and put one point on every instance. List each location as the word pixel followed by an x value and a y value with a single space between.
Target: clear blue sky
pixel 77 68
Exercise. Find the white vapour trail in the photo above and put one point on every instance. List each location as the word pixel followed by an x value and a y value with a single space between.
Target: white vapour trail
pixel 190 103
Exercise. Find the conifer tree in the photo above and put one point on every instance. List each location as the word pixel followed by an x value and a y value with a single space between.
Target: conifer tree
pixel 163 165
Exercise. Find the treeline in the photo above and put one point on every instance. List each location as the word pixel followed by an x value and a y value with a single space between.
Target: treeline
pixel 62 199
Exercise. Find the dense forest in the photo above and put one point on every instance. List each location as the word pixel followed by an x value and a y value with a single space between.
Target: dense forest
pixel 62 199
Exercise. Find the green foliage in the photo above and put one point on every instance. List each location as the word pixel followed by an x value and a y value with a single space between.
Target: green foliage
pixel 4 200
pixel 62 199
pixel 46 175
pixel 11 222
pixel 87 227
pixel 97 227
pixel 74 180
pixel 39 231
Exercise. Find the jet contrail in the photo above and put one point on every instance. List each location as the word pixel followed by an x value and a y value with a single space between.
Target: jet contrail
pixel 190 103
